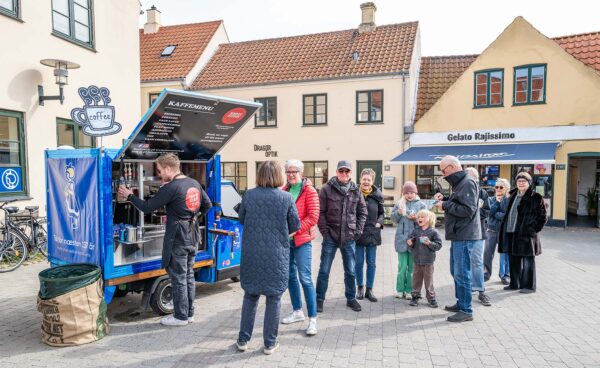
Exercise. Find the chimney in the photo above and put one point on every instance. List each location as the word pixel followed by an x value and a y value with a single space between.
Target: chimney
pixel 368 18
pixel 152 20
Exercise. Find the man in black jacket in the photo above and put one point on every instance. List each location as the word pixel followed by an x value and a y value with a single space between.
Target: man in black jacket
pixel 343 213
pixel 463 229
pixel 183 198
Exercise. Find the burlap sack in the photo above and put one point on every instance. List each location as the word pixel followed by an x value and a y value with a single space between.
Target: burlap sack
pixel 74 318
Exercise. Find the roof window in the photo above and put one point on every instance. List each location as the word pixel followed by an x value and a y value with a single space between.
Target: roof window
pixel 168 51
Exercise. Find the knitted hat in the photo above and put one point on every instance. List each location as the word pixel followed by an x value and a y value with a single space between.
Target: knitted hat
pixel 524 175
pixel 409 187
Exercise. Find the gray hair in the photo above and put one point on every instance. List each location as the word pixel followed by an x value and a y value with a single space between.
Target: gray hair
pixel 505 183
pixel 294 163
pixel 451 160
pixel 472 172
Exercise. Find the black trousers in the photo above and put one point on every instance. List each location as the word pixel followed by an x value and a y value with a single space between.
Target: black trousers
pixel 522 272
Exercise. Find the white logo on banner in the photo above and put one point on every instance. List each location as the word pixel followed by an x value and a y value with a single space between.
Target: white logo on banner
pixel 10 179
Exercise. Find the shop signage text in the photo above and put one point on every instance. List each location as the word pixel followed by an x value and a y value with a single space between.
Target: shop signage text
pixel 483 137
pixel 266 148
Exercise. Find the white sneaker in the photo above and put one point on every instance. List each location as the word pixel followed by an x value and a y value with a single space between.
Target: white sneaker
pixel 271 349
pixel 399 296
pixel 312 326
pixel 191 319
pixel 172 321
pixel 295 316
pixel 408 296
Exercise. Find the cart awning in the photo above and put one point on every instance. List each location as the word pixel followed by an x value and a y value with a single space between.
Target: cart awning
pixel 517 153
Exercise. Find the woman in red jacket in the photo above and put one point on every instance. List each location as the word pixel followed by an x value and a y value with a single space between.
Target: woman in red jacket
pixel 307 202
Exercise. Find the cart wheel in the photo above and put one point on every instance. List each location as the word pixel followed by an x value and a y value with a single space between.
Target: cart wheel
pixel 235 279
pixel 161 300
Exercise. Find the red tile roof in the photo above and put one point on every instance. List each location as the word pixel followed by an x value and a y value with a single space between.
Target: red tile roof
pixel 311 57
pixel 438 73
pixel 191 40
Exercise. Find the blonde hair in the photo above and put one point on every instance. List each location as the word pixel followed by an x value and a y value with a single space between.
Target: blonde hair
pixel 169 160
pixel 430 216
pixel 506 184
pixel 402 203
pixel 368 171
pixel 270 175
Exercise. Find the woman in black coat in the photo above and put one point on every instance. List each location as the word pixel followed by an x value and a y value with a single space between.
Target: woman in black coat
pixel 519 236
pixel 371 236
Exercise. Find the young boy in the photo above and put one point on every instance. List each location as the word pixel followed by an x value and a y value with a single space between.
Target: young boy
pixel 423 242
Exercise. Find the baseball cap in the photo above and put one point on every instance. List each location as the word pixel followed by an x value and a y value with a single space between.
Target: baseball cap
pixel 344 164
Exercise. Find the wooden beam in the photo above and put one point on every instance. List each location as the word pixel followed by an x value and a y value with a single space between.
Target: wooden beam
pixel 151 274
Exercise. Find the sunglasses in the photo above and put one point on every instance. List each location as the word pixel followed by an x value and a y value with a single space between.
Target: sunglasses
pixel 343 171
pixel 498 187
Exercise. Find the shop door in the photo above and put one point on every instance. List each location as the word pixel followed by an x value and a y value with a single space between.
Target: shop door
pixel 374 165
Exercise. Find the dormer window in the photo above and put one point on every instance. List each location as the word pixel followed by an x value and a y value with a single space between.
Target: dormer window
pixel 168 51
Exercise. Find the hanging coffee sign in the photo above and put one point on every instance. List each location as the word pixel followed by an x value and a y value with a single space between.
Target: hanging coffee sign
pixel 97 117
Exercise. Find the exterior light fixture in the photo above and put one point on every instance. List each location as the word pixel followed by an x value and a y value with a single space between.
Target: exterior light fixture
pixel 355 56
pixel 61 72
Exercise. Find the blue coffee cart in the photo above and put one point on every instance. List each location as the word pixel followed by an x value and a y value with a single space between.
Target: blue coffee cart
pixel 87 223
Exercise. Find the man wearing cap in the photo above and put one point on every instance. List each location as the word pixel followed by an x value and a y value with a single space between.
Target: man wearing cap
pixel 463 229
pixel 343 213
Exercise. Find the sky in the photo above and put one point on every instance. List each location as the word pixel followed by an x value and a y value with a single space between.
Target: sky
pixel 448 27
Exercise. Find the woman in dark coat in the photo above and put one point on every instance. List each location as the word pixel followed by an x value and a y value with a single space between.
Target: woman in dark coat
pixel 371 236
pixel 269 217
pixel 519 236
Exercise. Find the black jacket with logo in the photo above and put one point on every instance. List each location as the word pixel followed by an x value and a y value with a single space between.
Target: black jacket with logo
pixel 461 211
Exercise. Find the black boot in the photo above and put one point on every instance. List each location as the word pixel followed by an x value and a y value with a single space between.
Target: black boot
pixel 360 293
pixel 369 295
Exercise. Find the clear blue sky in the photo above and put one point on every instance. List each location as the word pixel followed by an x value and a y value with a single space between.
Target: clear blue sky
pixel 448 27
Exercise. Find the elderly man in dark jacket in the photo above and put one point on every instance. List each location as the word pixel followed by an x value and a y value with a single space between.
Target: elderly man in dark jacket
pixel 463 229
pixel 341 222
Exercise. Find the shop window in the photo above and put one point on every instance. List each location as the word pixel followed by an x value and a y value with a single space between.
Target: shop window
pixel 10 8
pixel 489 88
pixel 430 180
pixel 267 114
pixel 369 106
pixel 542 175
pixel 12 154
pixel 72 20
pixel 152 97
pixel 317 172
pixel 314 108
pixel 71 134
pixel 237 173
pixel 530 84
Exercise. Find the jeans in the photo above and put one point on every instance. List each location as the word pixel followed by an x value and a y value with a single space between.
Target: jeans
pixel 300 267
pixel 488 256
pixel 405 271
pixel 460 268
pixel 504 270
pixel 328 251
pixel 477 266
pixel 371 255
pixel 181 273
pixel 271 323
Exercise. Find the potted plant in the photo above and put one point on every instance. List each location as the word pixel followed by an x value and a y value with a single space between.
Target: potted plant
pixel 592 201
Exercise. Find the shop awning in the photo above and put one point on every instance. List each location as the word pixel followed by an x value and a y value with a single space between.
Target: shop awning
pixel 516 153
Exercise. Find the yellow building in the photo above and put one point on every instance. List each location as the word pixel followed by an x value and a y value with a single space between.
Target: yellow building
pixel 528 102
pixel 99 39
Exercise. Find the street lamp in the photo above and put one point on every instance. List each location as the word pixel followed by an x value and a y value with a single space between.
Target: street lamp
pixel 61 72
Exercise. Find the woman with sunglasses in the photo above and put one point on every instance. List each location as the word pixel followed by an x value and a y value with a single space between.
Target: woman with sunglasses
pixel 495 217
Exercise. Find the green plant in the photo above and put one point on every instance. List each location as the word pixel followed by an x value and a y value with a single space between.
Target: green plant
pixel 592 200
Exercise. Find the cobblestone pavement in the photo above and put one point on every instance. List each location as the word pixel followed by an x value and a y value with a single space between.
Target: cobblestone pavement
pixel 559 326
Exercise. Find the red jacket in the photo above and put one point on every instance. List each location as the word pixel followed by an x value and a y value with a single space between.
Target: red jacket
pixel 308 211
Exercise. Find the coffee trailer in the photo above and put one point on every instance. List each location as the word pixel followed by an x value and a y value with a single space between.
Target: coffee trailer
pixel 87 223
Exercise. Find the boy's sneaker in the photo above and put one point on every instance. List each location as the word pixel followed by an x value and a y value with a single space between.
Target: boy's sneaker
pixel 433 303
pixel 172 321
pixel 485 300
pixel 414 302
pixel 268 350
pixel 241 345
pixel 312 326
pixel 295 316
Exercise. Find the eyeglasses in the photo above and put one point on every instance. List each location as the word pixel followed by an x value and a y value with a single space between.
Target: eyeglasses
pixel 291 172
pixel 498 187
pixel 444 169
pixel 343 171
pixel 523 181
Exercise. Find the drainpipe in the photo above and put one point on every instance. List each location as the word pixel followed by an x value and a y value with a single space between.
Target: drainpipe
pixel 403 121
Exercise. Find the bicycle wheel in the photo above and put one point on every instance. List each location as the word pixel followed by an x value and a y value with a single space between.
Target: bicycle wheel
pixel 42 237
pixel 13 250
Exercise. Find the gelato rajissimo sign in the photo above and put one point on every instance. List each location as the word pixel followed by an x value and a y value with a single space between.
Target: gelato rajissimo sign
pixel 194 126
pixel 480 136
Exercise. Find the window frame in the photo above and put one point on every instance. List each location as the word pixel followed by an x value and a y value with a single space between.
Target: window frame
pixel 15 13
pixel 488 73
pixel 150 95
pixel 529 68
pixel 313 177
pixel 76 129
pixel 237 175
pixel 24 193
pixel 265 106
pixel 369 103
pixel 314 97
pixel 72 38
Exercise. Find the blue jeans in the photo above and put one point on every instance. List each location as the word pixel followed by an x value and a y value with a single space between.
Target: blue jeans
pixel 460 268
pixel 328 250
pixel 371 252
pixel 477 266
pixel 300 266
pixel 183 285
pixel 271 323
pixel 504 270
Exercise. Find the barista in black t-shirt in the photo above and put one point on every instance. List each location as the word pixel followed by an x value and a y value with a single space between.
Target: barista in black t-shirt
pixel 183 198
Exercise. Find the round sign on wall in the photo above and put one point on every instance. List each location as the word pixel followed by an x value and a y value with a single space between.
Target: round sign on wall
pixel 234 115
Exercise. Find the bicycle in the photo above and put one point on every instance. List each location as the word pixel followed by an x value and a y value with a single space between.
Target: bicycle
pixel 13 245
pixel 34 229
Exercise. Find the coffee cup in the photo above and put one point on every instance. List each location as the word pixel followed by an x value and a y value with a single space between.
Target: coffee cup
pixel 97 117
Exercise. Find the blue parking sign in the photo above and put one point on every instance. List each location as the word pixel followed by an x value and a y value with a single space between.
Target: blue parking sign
pixel 10 179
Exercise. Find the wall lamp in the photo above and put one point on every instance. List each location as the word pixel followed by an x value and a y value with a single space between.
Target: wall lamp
pixel 61 72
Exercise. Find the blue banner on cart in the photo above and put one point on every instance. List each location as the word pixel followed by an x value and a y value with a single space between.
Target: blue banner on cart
pixel 11 179
pixel 74 234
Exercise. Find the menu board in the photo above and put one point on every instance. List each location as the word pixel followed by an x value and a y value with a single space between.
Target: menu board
pixel 192 125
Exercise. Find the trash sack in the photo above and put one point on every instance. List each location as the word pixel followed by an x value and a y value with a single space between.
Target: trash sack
pixel 74 318
pixel 60 280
